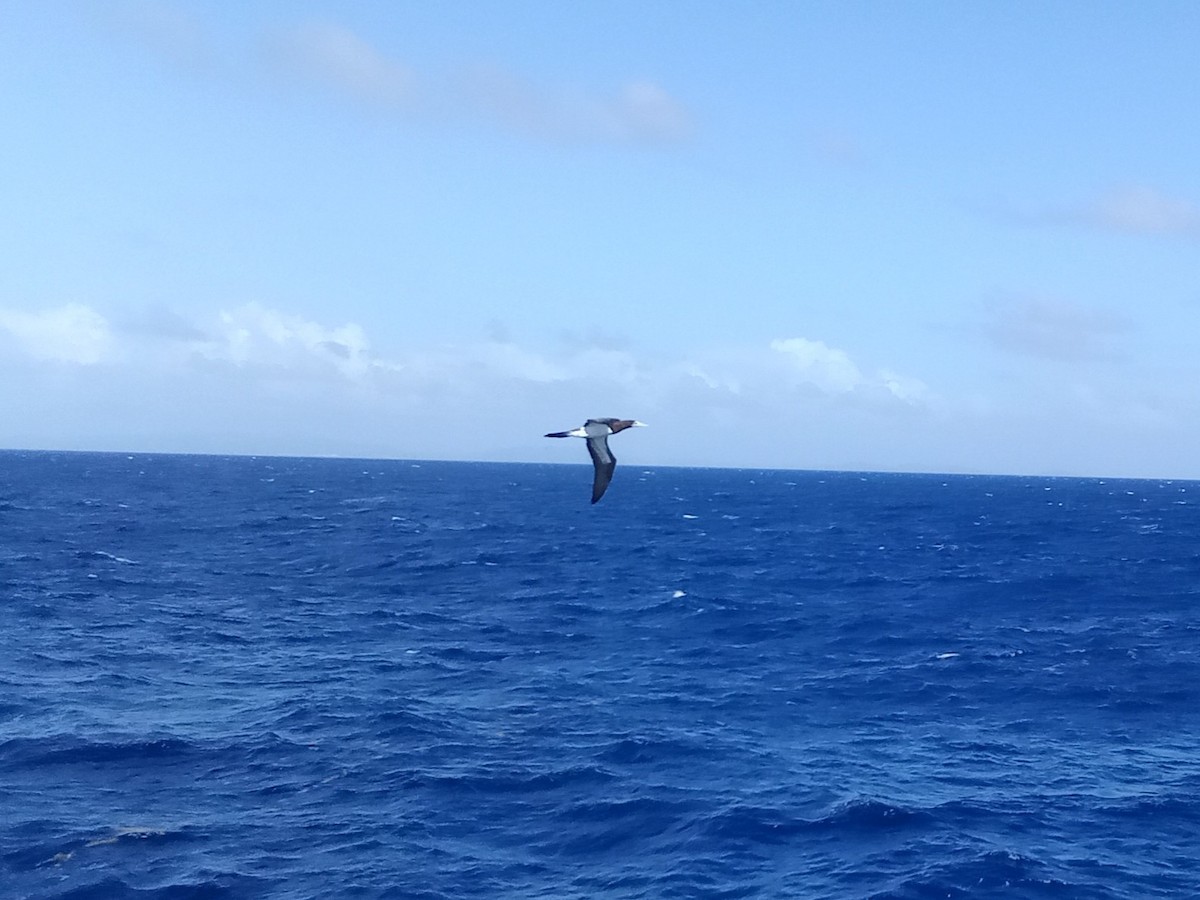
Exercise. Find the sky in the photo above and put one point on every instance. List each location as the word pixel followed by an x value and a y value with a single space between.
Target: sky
pixel 902 236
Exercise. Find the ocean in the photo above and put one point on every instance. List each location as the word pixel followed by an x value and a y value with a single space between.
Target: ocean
pixel 313 678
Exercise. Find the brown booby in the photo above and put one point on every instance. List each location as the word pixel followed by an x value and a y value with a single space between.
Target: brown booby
pixel 596 432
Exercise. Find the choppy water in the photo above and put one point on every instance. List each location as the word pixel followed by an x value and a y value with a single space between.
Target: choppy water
pixel 295 678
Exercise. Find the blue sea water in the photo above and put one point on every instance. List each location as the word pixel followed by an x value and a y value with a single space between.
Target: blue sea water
pixel 302 678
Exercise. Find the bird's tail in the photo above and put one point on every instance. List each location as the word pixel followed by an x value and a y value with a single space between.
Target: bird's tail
pixel 559 434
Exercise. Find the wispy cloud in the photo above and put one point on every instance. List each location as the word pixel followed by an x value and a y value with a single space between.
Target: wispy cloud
pixel 340 59
pixel 165 29
pixel 1054 329
pixel 465 367
pixel 636 111
pixel 1135 209
pixel 329 57
pixel 838 146
pixel 1144 210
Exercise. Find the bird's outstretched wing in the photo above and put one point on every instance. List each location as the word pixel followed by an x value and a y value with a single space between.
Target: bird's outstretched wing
pixel 605 463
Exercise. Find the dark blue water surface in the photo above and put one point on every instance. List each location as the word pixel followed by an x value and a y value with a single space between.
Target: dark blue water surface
pixel 299 678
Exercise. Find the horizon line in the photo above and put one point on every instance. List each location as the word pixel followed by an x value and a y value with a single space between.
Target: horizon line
pixel 736 468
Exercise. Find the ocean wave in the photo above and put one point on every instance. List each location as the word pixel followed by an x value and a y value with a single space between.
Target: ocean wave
pixel 1158 809
pixel 595 827
pixel 67 750
pixel 506 780
pixel 104 555
pixel 990 873
pixel 52 847
pixel 636 750
pixel 772 825
pixel 224 886
pixel 392 724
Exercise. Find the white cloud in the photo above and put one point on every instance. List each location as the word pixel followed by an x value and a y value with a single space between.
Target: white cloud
pixel 257 337
pixel 262 342
pixel 253 335
pixel 904 387
pixel 256 379
pixel 710 380
pixel 67 334
pixel 828 368
pixel 834 373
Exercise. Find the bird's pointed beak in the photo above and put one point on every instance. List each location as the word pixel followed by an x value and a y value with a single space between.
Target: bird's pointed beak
pixel 638 425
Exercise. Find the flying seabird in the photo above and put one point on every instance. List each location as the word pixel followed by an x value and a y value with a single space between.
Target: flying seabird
pixel 596 431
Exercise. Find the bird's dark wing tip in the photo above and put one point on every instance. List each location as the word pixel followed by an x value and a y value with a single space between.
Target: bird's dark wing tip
pixel 600 482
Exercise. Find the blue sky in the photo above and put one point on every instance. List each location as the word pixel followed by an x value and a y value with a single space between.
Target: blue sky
pixel 900 236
